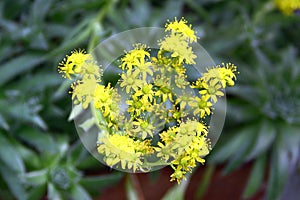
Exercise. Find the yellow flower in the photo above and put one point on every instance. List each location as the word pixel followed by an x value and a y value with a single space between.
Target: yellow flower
pixel 106 99
pixel 72 64
pixel 180 81
pixel 90 68
pixel 165 88
pixel 212 89
pixel 136 106
pixel 193 145
pixel 175 114
pixel 135 57
pixel 124 151
pixel 145 147
pixel 202 106
pixel 182 28
pixel 184 100
pixel 178 175
pixel 179 47
pixel 146 92
pixel 130 81
pixel 143 69
pixel 227 73
pixel 143 128
pixel 83 90
pixel 288 7
pixel 120 149
pixel 169 135
pixel 215 80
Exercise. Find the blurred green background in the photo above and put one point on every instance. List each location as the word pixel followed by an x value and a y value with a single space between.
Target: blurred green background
pixel 41 156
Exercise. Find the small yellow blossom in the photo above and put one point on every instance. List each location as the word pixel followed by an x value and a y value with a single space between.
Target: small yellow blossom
pixel 212 89
pixel 106 99
pixel 83 90
pixel 180 81
pixel 178 175
pixel 179 47
pixel 146 92
pixel 136 106
pixel 135 57
pixel 120 149
pixel 165 88
pixel 202 106
pixel 72 64
pixel 288 7
pixel 184 100
pixel 181 27
pixel 130 81
pixel 143 128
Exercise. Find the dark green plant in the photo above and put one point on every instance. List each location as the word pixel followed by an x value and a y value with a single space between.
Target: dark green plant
pixel 40 153
pixel 262 123
pixel 263 110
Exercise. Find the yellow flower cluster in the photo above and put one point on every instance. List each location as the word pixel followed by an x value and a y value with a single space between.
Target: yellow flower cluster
pixel 288 7
pixel 214 81
pixel 79 62
pixel 178 40
pixel 184 146
pixel 123 150
pixel 159 98
pixel 106 99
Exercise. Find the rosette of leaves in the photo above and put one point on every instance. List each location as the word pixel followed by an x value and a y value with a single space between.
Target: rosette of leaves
pixel 264 112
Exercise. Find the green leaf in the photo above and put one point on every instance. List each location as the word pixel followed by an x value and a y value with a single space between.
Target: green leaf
pixel 3 123
pixel 13 181
pixel 29 112
pixel 246 92
pixel 95 184
pixel 75 153
pixel 36 177
pixel 244 147
pixel 40 140
pixel 40 8
pixel 18 66
pixel 292 142
pixel 62 90
pixel 29 157
pixel 131 192
pixel 279 170
pixel 9 156
pixel 78 156
pixel 37 192
pixel 79 193
pixel 38 82
pixel 53 193
pixel 37 120
pixel 77 110
pixel 176 192
pixel 205 181
pixel 86 125
pixel 239 112
pixel 256 177
pixel 265 137
pixel 233 144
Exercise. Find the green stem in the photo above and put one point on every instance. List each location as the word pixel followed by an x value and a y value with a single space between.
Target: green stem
pixel 154 164
pixel 205 181
pixel 97 21
pixel 133 187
